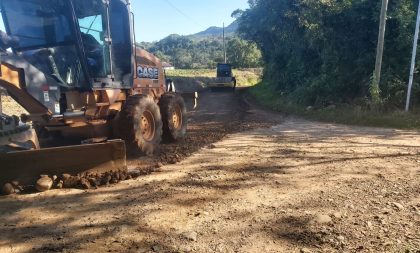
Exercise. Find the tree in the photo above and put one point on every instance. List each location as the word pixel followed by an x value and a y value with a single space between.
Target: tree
pixel 186 52
pixel 321 51
pixel 243 54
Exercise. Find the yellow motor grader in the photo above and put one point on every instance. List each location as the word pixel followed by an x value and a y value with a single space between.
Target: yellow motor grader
pixel 75 67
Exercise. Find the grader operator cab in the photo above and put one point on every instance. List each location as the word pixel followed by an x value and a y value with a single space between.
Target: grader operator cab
pixel 76 69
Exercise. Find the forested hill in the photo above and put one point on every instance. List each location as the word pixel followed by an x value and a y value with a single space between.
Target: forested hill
pixel 216 32
pixel 205 49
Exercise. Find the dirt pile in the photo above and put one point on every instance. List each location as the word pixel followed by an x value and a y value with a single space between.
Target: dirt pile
pixel 82 181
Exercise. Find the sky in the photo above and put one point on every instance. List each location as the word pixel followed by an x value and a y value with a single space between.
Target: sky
pixel 156 19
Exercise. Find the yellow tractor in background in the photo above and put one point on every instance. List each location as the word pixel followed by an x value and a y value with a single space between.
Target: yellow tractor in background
pixel 75 68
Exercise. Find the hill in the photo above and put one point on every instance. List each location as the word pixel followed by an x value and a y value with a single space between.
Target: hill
pixel 205 49
pixel 215 31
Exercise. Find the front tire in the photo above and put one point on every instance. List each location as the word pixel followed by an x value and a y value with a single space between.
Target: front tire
pixel 139 124
pixel 174 117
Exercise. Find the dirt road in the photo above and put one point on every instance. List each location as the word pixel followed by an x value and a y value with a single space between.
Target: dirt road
pixel 296 186
pixel 218 114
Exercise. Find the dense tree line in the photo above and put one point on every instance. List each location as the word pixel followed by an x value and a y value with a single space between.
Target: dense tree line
pixel 243 54
pixel 318 52
pixel 189 53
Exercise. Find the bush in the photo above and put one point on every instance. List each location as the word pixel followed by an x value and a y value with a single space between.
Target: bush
pixel 322 52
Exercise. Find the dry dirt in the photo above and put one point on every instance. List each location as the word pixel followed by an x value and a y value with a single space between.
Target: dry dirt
pixel 218 114
pixel 268 183
pixel 9 106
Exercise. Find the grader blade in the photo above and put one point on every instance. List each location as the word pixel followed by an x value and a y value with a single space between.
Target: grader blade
pixel 26 166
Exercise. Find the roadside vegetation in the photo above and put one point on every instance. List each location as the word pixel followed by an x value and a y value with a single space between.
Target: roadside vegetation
pixel 319 62
pixel 350 114
pixel 196 79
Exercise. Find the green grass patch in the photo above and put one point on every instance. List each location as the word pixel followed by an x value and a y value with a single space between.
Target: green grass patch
pixel 343 114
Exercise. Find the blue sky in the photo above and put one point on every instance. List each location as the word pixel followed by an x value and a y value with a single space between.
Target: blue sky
pixel 157 19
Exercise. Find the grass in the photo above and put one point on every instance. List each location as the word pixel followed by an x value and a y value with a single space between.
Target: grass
pixel 343 114
pixel 189 79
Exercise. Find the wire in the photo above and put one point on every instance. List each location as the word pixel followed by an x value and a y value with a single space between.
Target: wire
pixel 183 13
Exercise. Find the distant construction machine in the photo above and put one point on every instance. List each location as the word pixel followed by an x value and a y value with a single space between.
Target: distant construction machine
pixel 224 78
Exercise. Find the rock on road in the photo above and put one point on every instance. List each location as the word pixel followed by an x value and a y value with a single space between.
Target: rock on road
pixel 283 185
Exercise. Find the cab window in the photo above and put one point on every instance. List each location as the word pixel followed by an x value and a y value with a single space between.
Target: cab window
pixel 122 47
pixel 93 29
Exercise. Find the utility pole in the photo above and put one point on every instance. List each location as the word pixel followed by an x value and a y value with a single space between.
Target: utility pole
pixel 413 60
pixel 224 45
pixel 381 40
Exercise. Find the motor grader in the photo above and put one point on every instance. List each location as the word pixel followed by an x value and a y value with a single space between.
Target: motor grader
pixel 224 78
pixel 75 67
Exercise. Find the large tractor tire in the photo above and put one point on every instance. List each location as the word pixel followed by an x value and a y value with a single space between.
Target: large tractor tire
pixel 139 124
pixel 174 117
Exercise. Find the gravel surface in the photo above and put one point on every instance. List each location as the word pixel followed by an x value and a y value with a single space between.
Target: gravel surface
pixel 9 106
pixel 218 114
pixel 245 180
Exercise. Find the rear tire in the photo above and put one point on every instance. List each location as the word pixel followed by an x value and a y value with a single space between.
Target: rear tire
pixel 174 116
pixel 139 124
